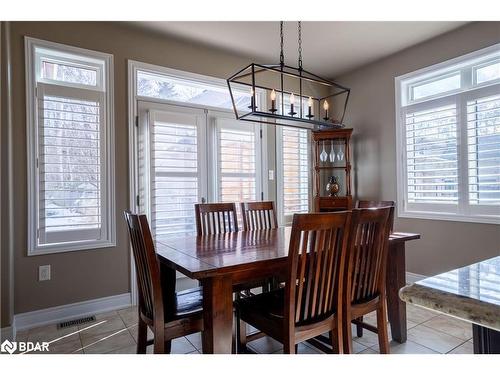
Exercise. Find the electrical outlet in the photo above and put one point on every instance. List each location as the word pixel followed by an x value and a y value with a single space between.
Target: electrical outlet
pixel 44 273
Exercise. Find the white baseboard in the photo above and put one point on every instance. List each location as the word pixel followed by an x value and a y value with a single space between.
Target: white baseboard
pixel 7 333
pixel 76 310
pixel 413 277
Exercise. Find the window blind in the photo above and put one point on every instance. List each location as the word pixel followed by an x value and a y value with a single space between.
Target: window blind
pixel 69 165
pixel 174 164
pixel 483 132
pixel 237 164
pixel 432 155
pixel 295 156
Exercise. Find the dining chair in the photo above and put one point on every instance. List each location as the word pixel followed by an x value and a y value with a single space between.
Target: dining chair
pixel 167 313
pixel 370 204
pixel 365 274
pixel 213 218
pixel 258 215
pixel 310 303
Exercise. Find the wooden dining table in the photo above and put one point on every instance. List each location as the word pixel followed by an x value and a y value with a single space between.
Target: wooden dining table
pixel 222 261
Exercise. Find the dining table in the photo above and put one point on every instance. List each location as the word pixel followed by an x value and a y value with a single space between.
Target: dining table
pixel 221 262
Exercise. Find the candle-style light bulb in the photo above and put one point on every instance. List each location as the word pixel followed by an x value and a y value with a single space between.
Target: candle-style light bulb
pixel 252 99
pixel 309 108
pixel 325 107
pixel 292 102
pixel 273 101
pixel 273 95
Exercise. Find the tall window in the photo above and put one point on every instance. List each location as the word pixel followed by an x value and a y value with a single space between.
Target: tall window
pixel 70 132
pixel 449 139
pixel 293 154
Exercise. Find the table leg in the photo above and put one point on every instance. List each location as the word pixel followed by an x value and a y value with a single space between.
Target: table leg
pixel 217 314
pixel 396 279
pixel 486 341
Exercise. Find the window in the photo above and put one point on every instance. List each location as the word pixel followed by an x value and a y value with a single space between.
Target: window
pixel 238 161
pixel 70 129
pixel 293 155
pixel 177 89
pixel 448 136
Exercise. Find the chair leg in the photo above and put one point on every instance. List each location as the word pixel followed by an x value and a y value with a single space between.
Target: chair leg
pixel 289 347
pixel 383 337
pixel 359 329
pixel 168 346
pixel 347 334
pixel 142 337
pixel 336 340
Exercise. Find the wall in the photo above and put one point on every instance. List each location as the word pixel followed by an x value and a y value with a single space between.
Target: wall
pixel 83 275
pixel 444 244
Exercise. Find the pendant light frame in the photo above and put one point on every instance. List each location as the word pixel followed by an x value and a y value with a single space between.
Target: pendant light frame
pixel 248 77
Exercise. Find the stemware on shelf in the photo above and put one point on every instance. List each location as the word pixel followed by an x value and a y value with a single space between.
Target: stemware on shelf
pixel 332 153
pixel 323 156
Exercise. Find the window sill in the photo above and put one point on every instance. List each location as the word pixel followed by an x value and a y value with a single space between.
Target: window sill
pixel 68 247
pixel 449 217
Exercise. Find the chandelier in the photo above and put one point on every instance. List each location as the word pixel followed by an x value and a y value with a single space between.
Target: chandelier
pixel 279 94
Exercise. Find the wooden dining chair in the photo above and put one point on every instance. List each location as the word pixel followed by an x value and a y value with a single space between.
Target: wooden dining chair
pixel 310 303
pixel 167 313
pixel 370 204
pixel 258 215
pixel 365 276
pixel 213 218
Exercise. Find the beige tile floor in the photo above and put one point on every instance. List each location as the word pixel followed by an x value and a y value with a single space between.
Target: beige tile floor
pixel 116 332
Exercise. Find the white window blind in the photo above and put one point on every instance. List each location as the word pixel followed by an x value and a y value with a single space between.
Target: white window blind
pixel 432 155
pixel 71 176
pixel 237 162
pixel 483 132
pixel 293 167
pixel 174 173
pixel 448 138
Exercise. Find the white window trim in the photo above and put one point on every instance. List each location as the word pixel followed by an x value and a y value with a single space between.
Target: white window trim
pixel 286 220
pixel 454 96
pixel 31 121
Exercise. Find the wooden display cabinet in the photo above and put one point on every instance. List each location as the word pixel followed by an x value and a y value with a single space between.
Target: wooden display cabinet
pixel 332 158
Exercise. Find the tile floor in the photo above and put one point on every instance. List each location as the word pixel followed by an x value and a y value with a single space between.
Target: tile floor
pixel 116 332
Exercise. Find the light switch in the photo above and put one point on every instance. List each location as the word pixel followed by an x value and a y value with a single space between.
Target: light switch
pixel 271 175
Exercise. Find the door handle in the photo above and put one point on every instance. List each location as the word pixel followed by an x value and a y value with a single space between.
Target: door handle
pixel 203 200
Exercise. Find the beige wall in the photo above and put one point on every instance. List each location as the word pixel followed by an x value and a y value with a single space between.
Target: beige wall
pixel 444 245
pixel 84 275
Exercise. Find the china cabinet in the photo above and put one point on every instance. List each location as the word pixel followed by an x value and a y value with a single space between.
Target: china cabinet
pixel 332 170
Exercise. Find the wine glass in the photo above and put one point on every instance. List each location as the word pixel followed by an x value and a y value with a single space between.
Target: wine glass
pixel 323 156
pixel 332 153
pixel 340 154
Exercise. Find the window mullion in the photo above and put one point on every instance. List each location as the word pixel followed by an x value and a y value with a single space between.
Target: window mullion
pixel 463 162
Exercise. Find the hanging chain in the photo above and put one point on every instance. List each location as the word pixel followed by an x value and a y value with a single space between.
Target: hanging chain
pixel 300 45
pixel 282 55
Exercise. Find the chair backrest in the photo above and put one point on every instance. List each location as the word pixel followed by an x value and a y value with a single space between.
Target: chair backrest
pixel 258 215
pixel 316 254
pixel 367 253
pixel 213 218
pixel 374 204
pixel 146 265
pixel 377 204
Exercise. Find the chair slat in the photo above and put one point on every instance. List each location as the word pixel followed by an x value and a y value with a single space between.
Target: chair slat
pixel 258 215
pixel 214 218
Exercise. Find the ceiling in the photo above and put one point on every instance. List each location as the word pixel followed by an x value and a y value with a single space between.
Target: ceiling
pixel 329 48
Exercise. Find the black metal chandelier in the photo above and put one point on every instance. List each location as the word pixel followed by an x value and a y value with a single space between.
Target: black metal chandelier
pixel 279 94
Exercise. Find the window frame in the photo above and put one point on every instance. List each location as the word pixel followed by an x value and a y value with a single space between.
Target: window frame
pixel 103 86
pixel 464 212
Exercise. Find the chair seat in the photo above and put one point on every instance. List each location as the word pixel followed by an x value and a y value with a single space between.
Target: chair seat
pixel 270 304
pixel 188 302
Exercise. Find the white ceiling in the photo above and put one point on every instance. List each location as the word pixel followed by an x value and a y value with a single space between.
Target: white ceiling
pixel 329 48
